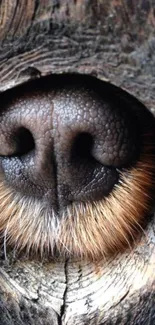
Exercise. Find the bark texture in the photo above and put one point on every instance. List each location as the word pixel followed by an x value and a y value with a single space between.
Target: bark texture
pixel 113 40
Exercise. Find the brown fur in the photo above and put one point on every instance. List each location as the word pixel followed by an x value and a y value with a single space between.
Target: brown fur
pixel 87 230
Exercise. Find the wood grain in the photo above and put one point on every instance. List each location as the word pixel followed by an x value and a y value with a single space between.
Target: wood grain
pixel 111 39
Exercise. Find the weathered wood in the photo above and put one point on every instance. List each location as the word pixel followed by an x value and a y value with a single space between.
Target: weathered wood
pixel 113 40
pixel 119 291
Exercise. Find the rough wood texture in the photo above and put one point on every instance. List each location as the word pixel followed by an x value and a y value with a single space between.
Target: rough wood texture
pixel 115 41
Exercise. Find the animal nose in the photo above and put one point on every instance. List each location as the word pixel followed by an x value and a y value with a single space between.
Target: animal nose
pixel 66 144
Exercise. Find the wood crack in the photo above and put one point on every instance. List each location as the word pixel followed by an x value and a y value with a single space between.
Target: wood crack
pixel 63 307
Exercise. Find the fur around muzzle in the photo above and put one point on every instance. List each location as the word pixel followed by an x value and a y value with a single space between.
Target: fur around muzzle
pixel 85 230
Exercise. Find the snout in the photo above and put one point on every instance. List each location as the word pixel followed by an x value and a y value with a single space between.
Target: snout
pixel 77 156
pixel 66 143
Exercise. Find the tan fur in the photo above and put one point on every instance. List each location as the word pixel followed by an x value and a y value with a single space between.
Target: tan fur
pixel 87 230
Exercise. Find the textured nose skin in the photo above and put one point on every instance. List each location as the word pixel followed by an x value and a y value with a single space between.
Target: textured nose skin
pixel 93 138
pixel 65 143
pixel 27 146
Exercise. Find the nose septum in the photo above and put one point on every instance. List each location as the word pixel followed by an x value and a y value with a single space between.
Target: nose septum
pixel 65 145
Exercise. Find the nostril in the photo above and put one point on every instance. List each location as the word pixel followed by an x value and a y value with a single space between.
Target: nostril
pixel 24 142
pixel 82 146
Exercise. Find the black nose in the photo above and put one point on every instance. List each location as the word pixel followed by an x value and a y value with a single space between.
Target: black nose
pixel 66 142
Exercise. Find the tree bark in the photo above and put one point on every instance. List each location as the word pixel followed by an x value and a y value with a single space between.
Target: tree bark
pixel 113 40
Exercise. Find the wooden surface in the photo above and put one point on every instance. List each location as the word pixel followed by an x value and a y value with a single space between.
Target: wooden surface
pixel 115 41
pixel 111 39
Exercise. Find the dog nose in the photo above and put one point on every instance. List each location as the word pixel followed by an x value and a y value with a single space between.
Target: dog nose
pixel 67 143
